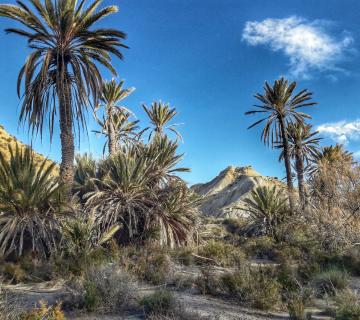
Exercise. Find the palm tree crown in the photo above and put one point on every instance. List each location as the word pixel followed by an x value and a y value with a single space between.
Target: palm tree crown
pixel 61 71
pixel 279 102
pixel 115 121
pixel 301 137
pixel 160 115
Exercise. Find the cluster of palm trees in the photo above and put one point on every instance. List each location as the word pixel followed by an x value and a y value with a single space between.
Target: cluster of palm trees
pixel 134 193
pixel 327 177
pixel 286 128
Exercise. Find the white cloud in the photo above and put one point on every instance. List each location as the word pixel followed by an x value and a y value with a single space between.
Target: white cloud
pixel 305 43
pixel 342 131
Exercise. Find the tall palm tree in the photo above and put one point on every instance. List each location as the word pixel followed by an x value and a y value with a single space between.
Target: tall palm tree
pixel 303 147
pixel 114 119
pixel 280 105
pixel 60 73
pixel 160 115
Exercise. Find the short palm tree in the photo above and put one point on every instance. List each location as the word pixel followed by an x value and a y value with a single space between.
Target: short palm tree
pixel 61 73
pixel 267 208
pixel 331 158
pixel 160 115
pixel 138 189
pixel 115 123
pixel 30 204
pixel 303 147
pixel 280 106
pixel 123 130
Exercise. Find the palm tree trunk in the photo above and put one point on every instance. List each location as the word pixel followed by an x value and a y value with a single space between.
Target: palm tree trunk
pixel 299 163
pixel 112 140
pixel 66 137
pixel 285 144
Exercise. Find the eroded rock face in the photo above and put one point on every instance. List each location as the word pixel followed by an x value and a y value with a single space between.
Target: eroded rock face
pixel 224 195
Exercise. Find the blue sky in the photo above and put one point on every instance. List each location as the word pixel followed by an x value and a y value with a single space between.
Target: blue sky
pixel 208 58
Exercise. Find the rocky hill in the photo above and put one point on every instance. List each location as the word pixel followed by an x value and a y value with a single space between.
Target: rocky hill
pixel 7 140
pixel 224 195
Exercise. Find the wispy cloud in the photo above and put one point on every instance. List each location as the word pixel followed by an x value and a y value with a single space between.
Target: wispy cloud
pixel 342 131
pixel 306 43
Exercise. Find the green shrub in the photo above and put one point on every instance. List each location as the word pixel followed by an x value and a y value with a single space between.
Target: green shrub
pixel 234 225
pixel 330 281
pixel 157 268
pixel 347 306
pixel 257 288
pixel 261 248
pixel 208 282
pixel 296 307
pixel 222 253
pixel 92 297
pixel 13 272
pixel 162 302
pixel 184 256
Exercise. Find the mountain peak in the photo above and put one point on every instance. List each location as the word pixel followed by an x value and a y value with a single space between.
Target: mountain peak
pixel 225 193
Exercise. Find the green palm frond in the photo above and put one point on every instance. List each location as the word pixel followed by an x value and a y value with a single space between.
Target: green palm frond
pixel 66 50
pixel 268 209
pixel 30 204
pixel 301 136
pixel 160 115
pixel 280 102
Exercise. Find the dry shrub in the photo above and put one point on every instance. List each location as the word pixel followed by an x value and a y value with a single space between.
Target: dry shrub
pixel 104 289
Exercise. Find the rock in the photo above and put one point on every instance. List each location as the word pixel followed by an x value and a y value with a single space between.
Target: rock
pixel 224 195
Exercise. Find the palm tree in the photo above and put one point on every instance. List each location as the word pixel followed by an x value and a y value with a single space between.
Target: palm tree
pixel 267 210
pixel 123 130
pixel 30 204
pixel 280 104
pixel 160 115
pixel 115 116
pixel 60 74
pixel 303 147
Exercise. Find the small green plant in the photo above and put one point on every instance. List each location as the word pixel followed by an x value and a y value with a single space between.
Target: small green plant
pixel 92 297
pixel 330 281
pixel 347 306
pixel 161 302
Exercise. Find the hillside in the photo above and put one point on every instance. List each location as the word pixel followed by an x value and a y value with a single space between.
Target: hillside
pixel 6 139
pixel 224 195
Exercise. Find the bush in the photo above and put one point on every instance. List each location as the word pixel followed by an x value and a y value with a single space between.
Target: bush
pixel 257 288
pixel 161 302
pixel 347 306
pixel 13 272
pixel 108 289
pixel 184 256
pixel 44 312
pixel 222 253
pixel 296 306
pixel 261 248
pixel 330 281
